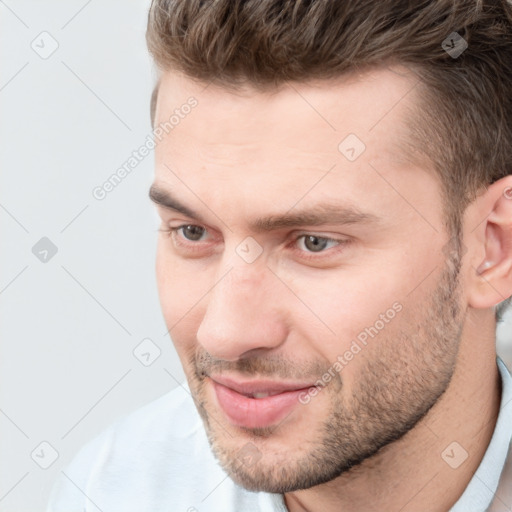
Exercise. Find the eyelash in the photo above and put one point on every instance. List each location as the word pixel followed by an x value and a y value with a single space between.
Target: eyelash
pixel 170 231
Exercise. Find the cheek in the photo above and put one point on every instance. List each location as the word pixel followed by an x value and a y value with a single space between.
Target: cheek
pixel 182 289
pixel 352 309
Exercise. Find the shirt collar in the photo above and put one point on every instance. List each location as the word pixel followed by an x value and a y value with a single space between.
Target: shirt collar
pixel 482 486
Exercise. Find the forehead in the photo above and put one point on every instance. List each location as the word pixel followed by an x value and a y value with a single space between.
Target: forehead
pixel 362 98
pixel 312 117
pixel 344 136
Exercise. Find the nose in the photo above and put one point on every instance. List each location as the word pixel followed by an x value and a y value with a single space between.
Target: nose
pixel 243 314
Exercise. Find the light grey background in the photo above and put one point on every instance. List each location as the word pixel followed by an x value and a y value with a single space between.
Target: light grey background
pixel 70 324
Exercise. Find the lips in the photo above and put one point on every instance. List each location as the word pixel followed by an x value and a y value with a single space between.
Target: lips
pixel 257 404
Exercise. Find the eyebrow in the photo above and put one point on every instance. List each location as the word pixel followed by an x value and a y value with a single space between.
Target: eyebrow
pixel 324 213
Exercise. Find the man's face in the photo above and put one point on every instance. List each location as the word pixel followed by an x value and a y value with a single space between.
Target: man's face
pixel 307 291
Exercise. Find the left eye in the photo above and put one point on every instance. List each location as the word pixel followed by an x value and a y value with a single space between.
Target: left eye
pixel 313 243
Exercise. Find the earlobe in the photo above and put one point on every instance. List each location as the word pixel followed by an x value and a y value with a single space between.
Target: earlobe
pixel 491 282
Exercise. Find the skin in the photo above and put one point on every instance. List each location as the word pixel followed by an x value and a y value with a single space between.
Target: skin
pixel 372 438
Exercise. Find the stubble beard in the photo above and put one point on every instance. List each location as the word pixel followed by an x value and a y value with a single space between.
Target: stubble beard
pixel 396 387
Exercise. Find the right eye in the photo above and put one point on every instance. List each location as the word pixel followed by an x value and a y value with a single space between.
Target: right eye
pixel 191 232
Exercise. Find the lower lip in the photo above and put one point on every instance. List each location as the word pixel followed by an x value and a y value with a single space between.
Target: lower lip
pixel 247 412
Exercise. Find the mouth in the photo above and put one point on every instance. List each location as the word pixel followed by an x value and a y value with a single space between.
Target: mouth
pixel 257 403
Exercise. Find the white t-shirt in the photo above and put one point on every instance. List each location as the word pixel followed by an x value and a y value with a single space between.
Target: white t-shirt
pixel 158 459
pixel 155 459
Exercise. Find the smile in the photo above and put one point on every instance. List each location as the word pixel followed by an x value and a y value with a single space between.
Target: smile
pixel 257 404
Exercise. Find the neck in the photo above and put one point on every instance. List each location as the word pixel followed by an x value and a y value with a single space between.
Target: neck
pixel 421 470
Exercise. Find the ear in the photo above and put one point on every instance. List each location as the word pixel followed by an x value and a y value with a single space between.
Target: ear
pixel 491 274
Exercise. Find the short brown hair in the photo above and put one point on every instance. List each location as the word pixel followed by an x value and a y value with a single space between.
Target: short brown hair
pixel 463 121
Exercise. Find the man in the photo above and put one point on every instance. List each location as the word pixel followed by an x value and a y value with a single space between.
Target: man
pixel 335 190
